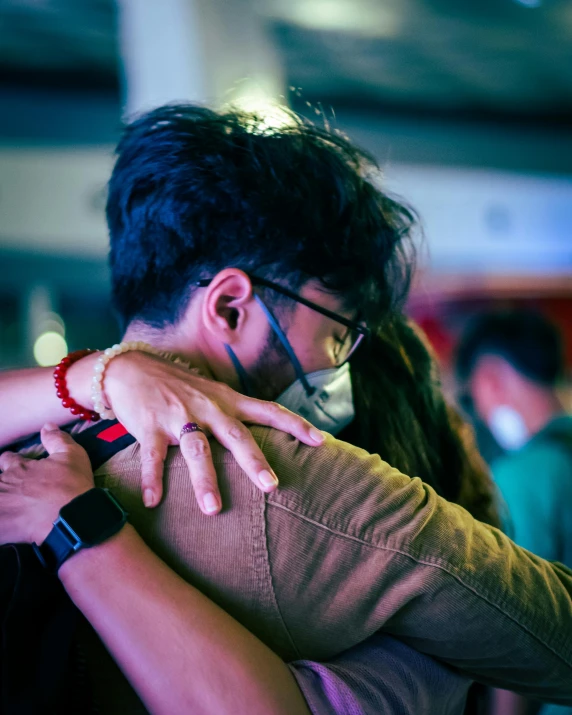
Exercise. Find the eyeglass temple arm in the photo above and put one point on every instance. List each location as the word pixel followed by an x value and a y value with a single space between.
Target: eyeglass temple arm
pixel 204 282
pixel 281 336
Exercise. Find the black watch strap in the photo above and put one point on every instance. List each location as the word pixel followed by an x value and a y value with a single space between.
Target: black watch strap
pixel 87 520
pixel 57 547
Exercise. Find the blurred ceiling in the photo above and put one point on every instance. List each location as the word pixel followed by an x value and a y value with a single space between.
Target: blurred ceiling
pixel 505 60
pixel 473 57
pixel 63 44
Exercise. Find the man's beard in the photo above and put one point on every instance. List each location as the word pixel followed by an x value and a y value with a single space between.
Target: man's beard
pixel 273 372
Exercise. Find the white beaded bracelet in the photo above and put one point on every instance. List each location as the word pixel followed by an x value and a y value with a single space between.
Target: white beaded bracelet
pixel 100 366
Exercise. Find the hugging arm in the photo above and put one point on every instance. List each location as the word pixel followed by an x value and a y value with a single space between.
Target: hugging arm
pixel 153 398
pixel 29 399
pixel 179 650
pixel 384 551
pixel 182 653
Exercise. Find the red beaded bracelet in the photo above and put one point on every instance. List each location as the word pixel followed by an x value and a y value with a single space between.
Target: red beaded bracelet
pixel 62 390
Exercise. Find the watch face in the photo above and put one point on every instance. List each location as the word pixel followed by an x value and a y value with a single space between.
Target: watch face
pixel 93 516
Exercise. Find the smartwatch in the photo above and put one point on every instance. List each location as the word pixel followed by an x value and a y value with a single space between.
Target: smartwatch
pixel 85 521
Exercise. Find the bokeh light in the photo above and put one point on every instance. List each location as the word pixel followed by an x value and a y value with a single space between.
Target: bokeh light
pixel 50 347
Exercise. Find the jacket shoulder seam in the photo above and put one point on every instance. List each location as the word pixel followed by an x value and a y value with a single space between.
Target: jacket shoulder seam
pixel 268 567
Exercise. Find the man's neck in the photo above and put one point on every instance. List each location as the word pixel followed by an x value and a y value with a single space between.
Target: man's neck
pixel 171 342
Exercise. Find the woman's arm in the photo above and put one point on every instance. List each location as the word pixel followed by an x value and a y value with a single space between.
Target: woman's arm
pixel 28 398
pixel 153 398
pixel 180 651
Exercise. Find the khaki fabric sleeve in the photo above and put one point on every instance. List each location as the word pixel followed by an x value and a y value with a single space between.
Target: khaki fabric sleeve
pixel 355 546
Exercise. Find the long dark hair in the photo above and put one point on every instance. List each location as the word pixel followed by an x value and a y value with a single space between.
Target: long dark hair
pixel 402 415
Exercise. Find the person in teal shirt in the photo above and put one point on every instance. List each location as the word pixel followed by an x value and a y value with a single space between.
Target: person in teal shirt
pixel 536 485
pixel 510 365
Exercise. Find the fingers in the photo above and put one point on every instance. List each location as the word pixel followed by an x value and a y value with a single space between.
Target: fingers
pixel 196 451
pixel 233 435
pixel 57 442
pixel 153 453
pixel 10 459
pixel 274 415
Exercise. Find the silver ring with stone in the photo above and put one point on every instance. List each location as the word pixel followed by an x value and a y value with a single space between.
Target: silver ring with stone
pixel 190 427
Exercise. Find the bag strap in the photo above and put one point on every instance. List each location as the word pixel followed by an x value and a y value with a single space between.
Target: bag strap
pixel 101 441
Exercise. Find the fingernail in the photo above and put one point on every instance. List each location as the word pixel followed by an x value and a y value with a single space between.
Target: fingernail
pixel 317 436
pixel 210 503
pixel 148 497
pixel 267 479
pixel 50 427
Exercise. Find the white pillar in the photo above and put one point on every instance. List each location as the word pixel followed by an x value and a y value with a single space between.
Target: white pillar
pixel 208 51
pixel 161 50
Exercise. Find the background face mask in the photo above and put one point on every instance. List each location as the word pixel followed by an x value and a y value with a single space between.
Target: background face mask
pixel 330 406
pixel 508 428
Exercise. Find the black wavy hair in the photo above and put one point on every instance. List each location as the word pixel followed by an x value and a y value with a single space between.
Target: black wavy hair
pixel 402 415
pixel 194 191
pixel 525 338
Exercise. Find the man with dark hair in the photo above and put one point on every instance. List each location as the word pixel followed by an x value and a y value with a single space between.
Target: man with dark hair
pixel 511 363
pixel 523 338
pixel 194 191
pixel 265 257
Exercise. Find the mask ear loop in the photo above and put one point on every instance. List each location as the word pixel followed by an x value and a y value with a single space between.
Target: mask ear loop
pixel 240 371
pixel 274 324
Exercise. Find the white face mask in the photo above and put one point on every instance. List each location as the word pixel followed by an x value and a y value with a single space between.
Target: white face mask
pixel 330 406
pixel 324 397
pixel 508 428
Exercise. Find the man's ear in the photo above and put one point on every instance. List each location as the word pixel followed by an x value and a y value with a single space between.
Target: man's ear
pixel 225 306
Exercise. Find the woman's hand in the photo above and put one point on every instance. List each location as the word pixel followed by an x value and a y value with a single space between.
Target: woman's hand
pixel 32 491
pixel 153 398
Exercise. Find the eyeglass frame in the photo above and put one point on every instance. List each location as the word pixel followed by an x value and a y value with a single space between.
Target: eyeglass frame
pixel 362 330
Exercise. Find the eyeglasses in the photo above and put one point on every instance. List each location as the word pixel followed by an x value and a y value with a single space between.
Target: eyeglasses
pixel 346 346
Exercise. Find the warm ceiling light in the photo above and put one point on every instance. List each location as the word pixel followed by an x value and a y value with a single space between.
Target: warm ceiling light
pixel 50 347
pixel 364 18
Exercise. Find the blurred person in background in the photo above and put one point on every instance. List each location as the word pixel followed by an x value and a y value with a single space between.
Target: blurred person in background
pixel 511 364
